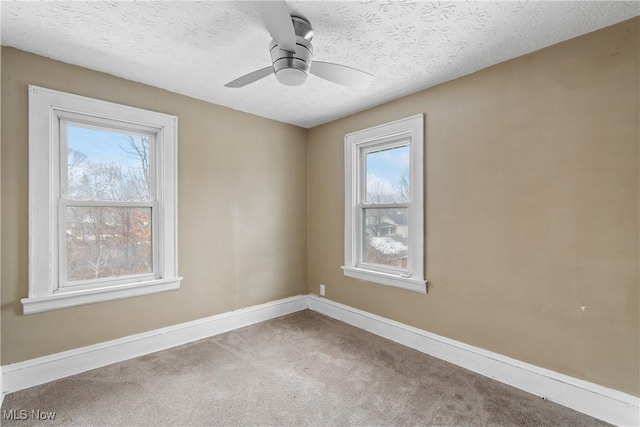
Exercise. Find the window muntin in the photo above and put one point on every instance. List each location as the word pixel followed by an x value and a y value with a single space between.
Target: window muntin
pixel 384 203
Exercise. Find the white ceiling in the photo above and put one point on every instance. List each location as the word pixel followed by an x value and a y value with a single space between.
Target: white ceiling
pixel 194 48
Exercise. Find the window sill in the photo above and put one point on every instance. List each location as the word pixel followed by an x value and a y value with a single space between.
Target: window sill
pixel 386 279
pixel 89 296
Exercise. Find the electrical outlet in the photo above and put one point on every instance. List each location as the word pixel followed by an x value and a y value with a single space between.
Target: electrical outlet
pixel 321 290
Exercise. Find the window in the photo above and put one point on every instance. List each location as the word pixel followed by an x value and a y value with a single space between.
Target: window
pixel 102 201
pixel 384 220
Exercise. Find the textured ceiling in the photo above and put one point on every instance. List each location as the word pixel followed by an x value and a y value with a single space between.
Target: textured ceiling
pixel 194 48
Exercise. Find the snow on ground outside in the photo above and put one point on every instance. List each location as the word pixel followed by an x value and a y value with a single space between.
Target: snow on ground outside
pixel 387 245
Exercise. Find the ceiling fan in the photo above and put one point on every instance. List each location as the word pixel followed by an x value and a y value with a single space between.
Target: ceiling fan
pixel 292 53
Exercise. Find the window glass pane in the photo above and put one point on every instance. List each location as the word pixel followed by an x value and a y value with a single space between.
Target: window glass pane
pixel 107 242
pixel 107 165
pixel 385 235
pixel 387 176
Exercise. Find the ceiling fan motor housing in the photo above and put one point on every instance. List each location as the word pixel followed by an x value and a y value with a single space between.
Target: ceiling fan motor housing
pixel 292 68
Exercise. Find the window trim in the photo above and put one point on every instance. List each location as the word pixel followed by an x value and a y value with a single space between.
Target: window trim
pixel 46 108
pixel 355 143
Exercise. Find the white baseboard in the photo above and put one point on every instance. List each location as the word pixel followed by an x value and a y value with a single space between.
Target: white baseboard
pixel 597 401
pixel 37 371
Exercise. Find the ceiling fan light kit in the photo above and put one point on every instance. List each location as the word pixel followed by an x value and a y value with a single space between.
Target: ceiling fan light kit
pixel 292 53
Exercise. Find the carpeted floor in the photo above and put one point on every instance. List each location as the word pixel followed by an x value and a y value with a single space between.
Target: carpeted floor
pixel 300 369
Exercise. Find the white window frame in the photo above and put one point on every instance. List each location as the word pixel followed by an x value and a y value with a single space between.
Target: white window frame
pixel 48 111
pixel 408 131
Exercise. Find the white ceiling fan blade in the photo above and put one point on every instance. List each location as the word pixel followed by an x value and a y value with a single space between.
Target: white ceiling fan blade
pixel 341 74
pixel 251 77
pixel 277 19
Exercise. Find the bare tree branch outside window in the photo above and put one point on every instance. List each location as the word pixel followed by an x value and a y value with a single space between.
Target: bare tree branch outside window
pixel 109 241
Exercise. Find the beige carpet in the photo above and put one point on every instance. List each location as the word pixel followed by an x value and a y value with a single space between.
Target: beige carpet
pixel 301 369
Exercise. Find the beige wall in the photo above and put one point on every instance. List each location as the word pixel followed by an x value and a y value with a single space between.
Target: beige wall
pixel 242 212
pixel 532 209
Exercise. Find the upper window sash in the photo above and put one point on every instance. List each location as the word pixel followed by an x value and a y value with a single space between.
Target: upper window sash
pixel 65 119
pixel 371 146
